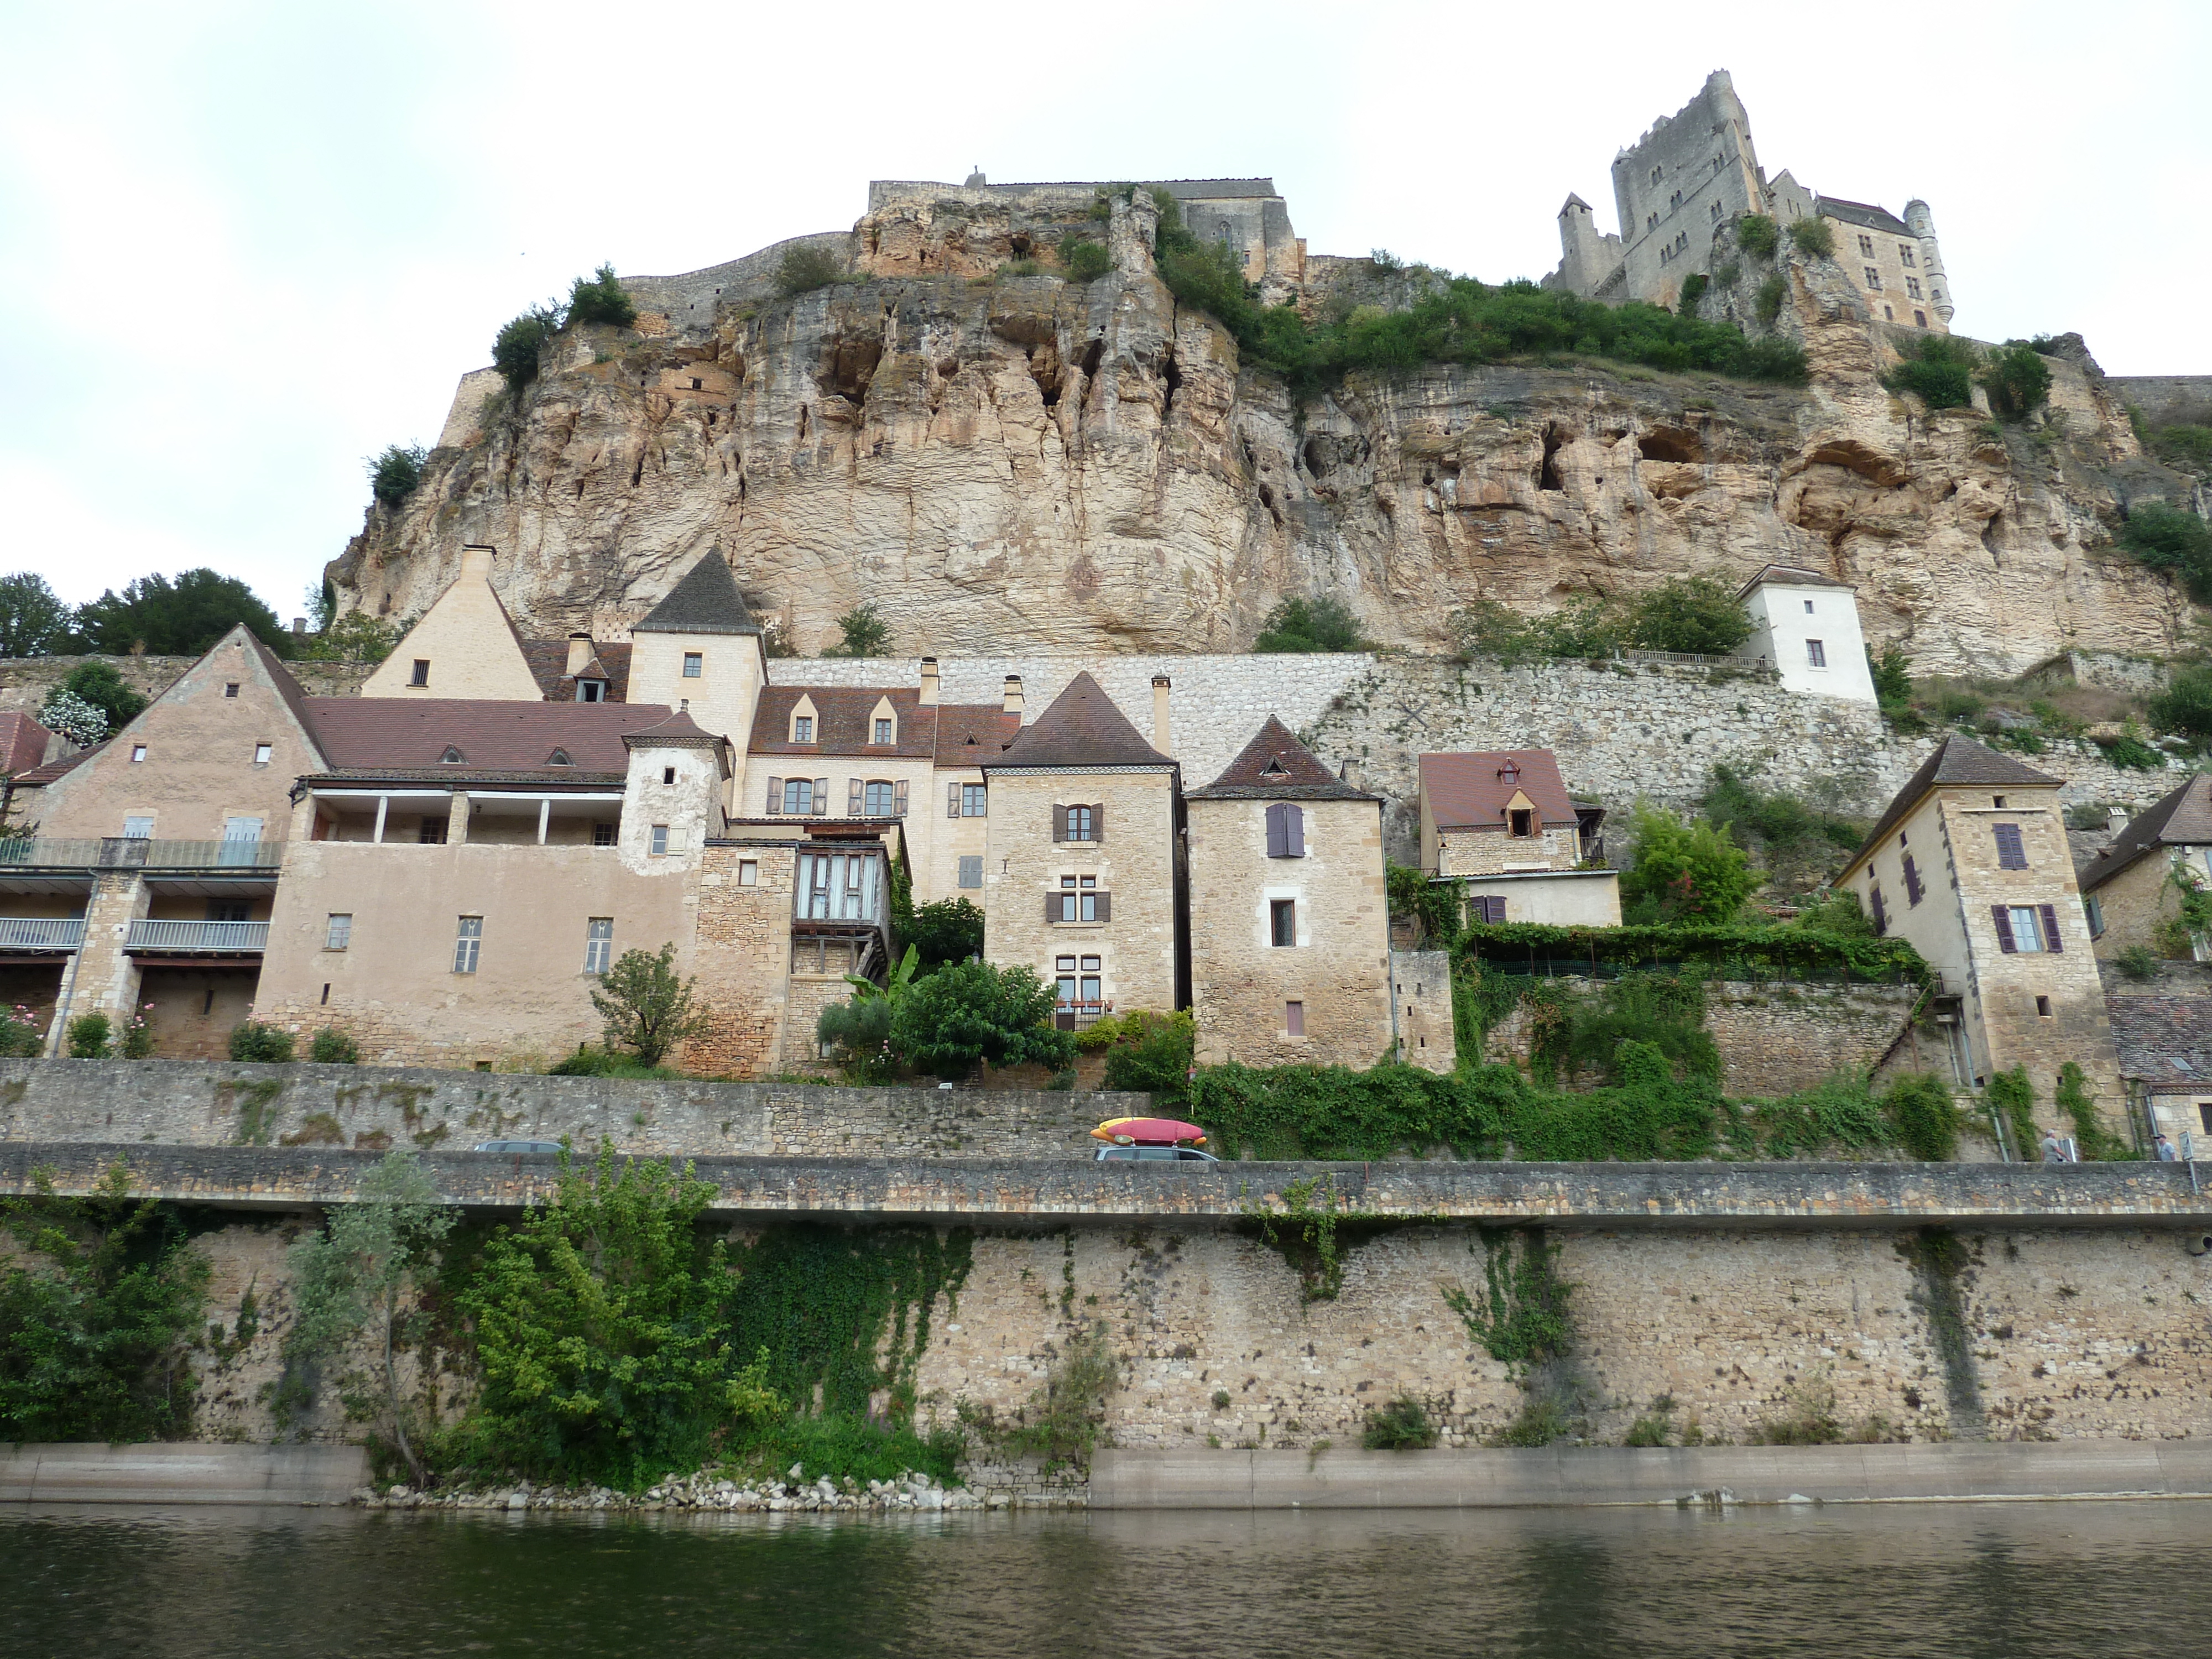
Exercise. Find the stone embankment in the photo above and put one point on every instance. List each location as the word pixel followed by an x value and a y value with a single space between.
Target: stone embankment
pixel 709 1491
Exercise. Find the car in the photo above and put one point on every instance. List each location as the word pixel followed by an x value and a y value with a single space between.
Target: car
pixel 1154 1155
pixel 539 1146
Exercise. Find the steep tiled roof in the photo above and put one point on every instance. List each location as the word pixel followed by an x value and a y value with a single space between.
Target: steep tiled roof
pixel 1276 766
pixel 1081 728
pixel 1466 791
pixel 22 743
pixel 970 733
pixel 405 736
pixel 549 666
pixel 1790 576
pixel 841 721
pixel 2164 1039
pixel 706 601
pixel 38 776
pixel 1958 761
pixel 1863 213
pixel 2182 818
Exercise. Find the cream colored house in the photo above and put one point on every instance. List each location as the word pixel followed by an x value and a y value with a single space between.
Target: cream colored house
pixel 2132 889
pixel 1501 823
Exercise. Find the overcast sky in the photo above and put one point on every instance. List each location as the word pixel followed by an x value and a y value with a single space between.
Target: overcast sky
pixel 243 247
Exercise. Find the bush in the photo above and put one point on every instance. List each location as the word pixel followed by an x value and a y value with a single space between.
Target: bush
pixel 2130 751
pixel 137 1041
pixel 2019 381
pixel 1087 260
pixel 1694 290
pixel 2185 705
pixel 2013 1095
pixel 1015 268
pixel 515 348
pixel 88 1036
pixel 1758 235
pixel 332 1047
pixel 969 1012
pixel 951 930
pixel 1157 1062
pixel 393 475
pixel 1815 237
pixel 648 1010
pixel 589 1060
pixel 1321 624
pixel 1892 672
pixel 1697 614
pixel 73 718
pixel 354 637
pixel 1938 369
pixel 22 1033
pixel 1768 301
pixel 2092 1139
pixel 600 297
pixel 1587 629
pixel 265 1044
pixel 2138 962
pixel 1686 872
pixel 1924 1117
pixel 2168 538
pixel 859 1029
pixel 1401 1425
pixel 2186 447
pixel 866 634
pixel 803 268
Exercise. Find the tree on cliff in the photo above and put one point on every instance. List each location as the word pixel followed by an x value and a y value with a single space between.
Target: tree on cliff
pixel 32 618
pixel 179 618
pixel 600 297
pixel 1322 624
pixel 1695 613
pixel 514 348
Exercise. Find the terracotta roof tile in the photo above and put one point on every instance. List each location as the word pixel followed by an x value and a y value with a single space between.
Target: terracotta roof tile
pixel 1791 575
pixel 841 721
pixel 39 776
pixel 22 743
pixel 1958 762
pixel 404 735
pixel 1082 727
pixel 1276 766
pixel 2182 818
pixel 1467 792
pixel 970 733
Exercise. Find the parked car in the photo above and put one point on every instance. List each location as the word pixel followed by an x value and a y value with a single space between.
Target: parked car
pixel 1154 1155
pixel 540 1146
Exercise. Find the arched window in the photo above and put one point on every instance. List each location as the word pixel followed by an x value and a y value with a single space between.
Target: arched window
pixel 1079 823
pixel 877 798
pixel 1286 831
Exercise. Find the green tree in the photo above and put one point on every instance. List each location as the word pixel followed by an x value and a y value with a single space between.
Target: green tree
pixel 647 1009
pixel 600 297
pixel 1939 369
pixel 1756 233
pixel 803 268
pixel 1318 625
pixel 865 633
pixel 354 637
pixel 179 618
pixel 951 930
pixel 1686 872
pixel 1087 260
pixel 102 685
pixel 99 1306
pixel 393 475
pixel 2019 381
pixel 516 348
pixel 1157 1062
pixel 366 1271
pixel 977 1010
pixel 1697 614
pixel 1892 672
pixel 33 621
pixel 1587 627
pixel 861 1027
pixel 2185 705
pixel 2169 537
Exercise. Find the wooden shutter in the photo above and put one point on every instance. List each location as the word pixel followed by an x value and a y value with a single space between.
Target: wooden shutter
pixel 1098 821
pixel 1059 823
pixel 1278 835
pixel 951 800
pixel 774 795
pixel 1052 907
pixel 821 798
pixel 1881 916
pixel 2051 940
pixel 852 799
pixel 2004 928
pixel 1105 906
pixel 898 798
pixel 1294 832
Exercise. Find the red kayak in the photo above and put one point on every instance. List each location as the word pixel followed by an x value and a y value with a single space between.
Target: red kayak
pixel 1150 1132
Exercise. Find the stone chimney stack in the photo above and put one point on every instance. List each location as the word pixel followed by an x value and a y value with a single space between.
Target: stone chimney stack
pixel 475 563
pixel 929 682
pixel 579 652
pixel 1160 687
pixel 2116 818
pixel 1013 694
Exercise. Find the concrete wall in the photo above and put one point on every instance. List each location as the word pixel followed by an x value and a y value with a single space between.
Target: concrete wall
pixel 180 1473
pixel 1567 899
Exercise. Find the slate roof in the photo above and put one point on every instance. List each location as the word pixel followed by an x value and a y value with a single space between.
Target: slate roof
pixel 1081 728
pixel 404 737
pixel 2182 818
pixel 22 743
pixel 1791 575
pixel 970 733
pixel 706 601
pixel 841 721
pixel 549 666
pixel 1958 761
pixel 1465 792
pixel 2164 1040
pixel 1276 766
pixel 1863 213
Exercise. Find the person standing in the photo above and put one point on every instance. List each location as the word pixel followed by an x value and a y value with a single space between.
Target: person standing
pixel 2166 1152
pixel 2052 1151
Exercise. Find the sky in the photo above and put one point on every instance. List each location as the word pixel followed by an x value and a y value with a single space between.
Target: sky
pixel 245 246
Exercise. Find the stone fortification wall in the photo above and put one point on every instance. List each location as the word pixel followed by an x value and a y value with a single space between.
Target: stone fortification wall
pixel 194 1103
pixel 26 682
pixel 2165 397
pixel 689 301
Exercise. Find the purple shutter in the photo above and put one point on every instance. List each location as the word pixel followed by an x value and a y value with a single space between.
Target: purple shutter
pixel 1105 906
pixel 2004 928
pixel 2051 940
pixel 951 800
pixel 774 795
pixel 1098 822
pixel 1294 831
pixel 1493 909
pixel 1880 915
pixel 1278 838
pixel 821 798
pixel 2011 855
pixel 1059 823
pixel 852 799
pixel 898 798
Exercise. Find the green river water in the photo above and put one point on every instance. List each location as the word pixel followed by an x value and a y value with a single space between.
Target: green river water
pixel 2007 1580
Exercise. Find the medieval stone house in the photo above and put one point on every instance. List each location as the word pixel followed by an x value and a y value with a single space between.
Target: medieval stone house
pixel 2133 888
pixel 1502 825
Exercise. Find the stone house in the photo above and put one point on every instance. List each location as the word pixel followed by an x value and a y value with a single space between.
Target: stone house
pixel 2165 1048
pixel 1501 823
pixel 1970 864
pixel 2130 889
pixel 1806 625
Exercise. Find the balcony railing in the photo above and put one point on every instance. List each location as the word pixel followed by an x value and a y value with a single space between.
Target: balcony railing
pixel 41 933
pixel 138 853
pixel 1079 1016
pixel 212 937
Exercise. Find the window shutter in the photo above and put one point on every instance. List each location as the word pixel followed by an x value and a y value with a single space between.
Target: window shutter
pixel 774 795
pixel 951 800
pixel 1294 831
pixel 1105 906
pixel 853 806
pixel 1052 907
pixel 1880 916
pixel 1278 844
pixel 821 798
pixel 1098 822
pixel 2051 940
pixel 898 798
pixel 2004 928
pixel 1059 823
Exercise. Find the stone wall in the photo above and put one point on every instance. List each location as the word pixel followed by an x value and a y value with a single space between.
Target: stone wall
pixel 26 682
pixel 2165 397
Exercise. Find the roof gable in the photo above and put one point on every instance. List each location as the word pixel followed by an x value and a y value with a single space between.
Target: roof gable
pixel 843 717
pixel 1276 766
pixel 2181 817
pixel 705 601
pixel 1958 762
pixel 1082 727
pixel 1472 791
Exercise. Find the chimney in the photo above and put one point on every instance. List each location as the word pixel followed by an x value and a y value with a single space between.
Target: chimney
pixel 299 625
pixel 929 682
pixel 1160 713
pixel 1013 694
pixel 579 652
pixel 2116 818
pixel 475 563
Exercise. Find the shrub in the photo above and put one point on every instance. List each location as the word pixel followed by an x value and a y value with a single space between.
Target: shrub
pixel 1768 301
pixel 1924 1117
pixel 516 348
pixel 2185 705
pixel 1588 629
pixel 866 634
pixel 2091 1138
pixel 2130 751
pixel 859 1029
pixel 1086 258
pixel 1401 1425
pixel 1686 872
pixel 2168 538
pixel 1157 1062
pixel 2182 445
pixel 648 1010
pixel 265 1044
pixel 600 297
pixel 22 1033
pixel 951 930
pixel 1694 290
pixel 88 1036
pixel 137 1041
pixel 393 475
pixel 1698 614
pixel 1938 369
pixel 969 1012
pixel 2019 381
pixel 1014 268
pixel 1320 624
pixel 354 637
pixel 332 1047
pixel 66 713
pixel 1891 673
pixel 1808 1418
pixel 1758 236
pixel 803 268
pixel 2013 1095
pixel 2137 961
pixel 1815 237
pixel 104 687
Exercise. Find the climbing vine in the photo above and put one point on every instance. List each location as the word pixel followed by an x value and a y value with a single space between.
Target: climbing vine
pixel 1520 1317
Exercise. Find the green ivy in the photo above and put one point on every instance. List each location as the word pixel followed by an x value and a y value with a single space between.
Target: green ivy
pixel 1521 1315
pixel 1732 951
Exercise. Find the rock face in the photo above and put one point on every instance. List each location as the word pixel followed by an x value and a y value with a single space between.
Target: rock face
pixel 1006 463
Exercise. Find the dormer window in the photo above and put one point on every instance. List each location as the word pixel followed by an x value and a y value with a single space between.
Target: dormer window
pixel 802 728
pixel 1509 776
pixel 421 674
pixel 882 731
pixel 451 757
pixel 591 690
pixel 559 757
pixel 1275 768
pixel 1521 823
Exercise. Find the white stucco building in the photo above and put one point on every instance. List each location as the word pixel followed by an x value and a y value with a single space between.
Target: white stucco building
pixel 1807 626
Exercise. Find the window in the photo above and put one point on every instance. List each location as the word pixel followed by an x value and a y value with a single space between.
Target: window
pixel 1816 654
pixel 1655 175
pixel 1912 287
pixel 695 664
pixel 1294 1019
pixel 1866 247
pixel 467 944
pixel 598 944
pixel 431 832
pixel 659 840
pixel 1920 319
pixel 1079 823
pixel 668 775
pixel 451 757
pixel 603 834
pixel 1673 201
pixel 137 753
pixel 1521 824
pixel 421 674
pixel 591 690
pixel 262 752
pixel 882 731
pixel 802 728
pixel 1282 921
pixel 1808 607
pixel 971 871
pixel 1997 801
pixel 138 829
pixel 748 872
pixel 1651 221
pixel 964 800
pixel 559 757
pixel 2096 912
pixel 2204 1116
pixel 1873 279
pixel 230 690
pixel 2025 929
pixel 838 886
pixel 1715 214
pixel 2043 1007
pixel 798 796
pixel 1905 255
pixel 1286 831
pixel 2010 854
pixel 1487 908
pixel 337 932
pixel 1887 315
pixel 877 799
pixel 1914 891
pixel 1077 899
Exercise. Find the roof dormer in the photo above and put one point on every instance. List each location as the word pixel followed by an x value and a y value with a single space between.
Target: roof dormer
pixel 805 724
pixel 883 725
pixel 453 756
pixel 559 757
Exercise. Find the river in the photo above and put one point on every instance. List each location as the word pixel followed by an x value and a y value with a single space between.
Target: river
pixel 2017 1581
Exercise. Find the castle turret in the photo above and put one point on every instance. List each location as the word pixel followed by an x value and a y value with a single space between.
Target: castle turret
pixel 1921 224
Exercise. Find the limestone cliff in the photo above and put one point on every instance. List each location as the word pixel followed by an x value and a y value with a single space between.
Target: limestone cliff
pixel 1006 463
